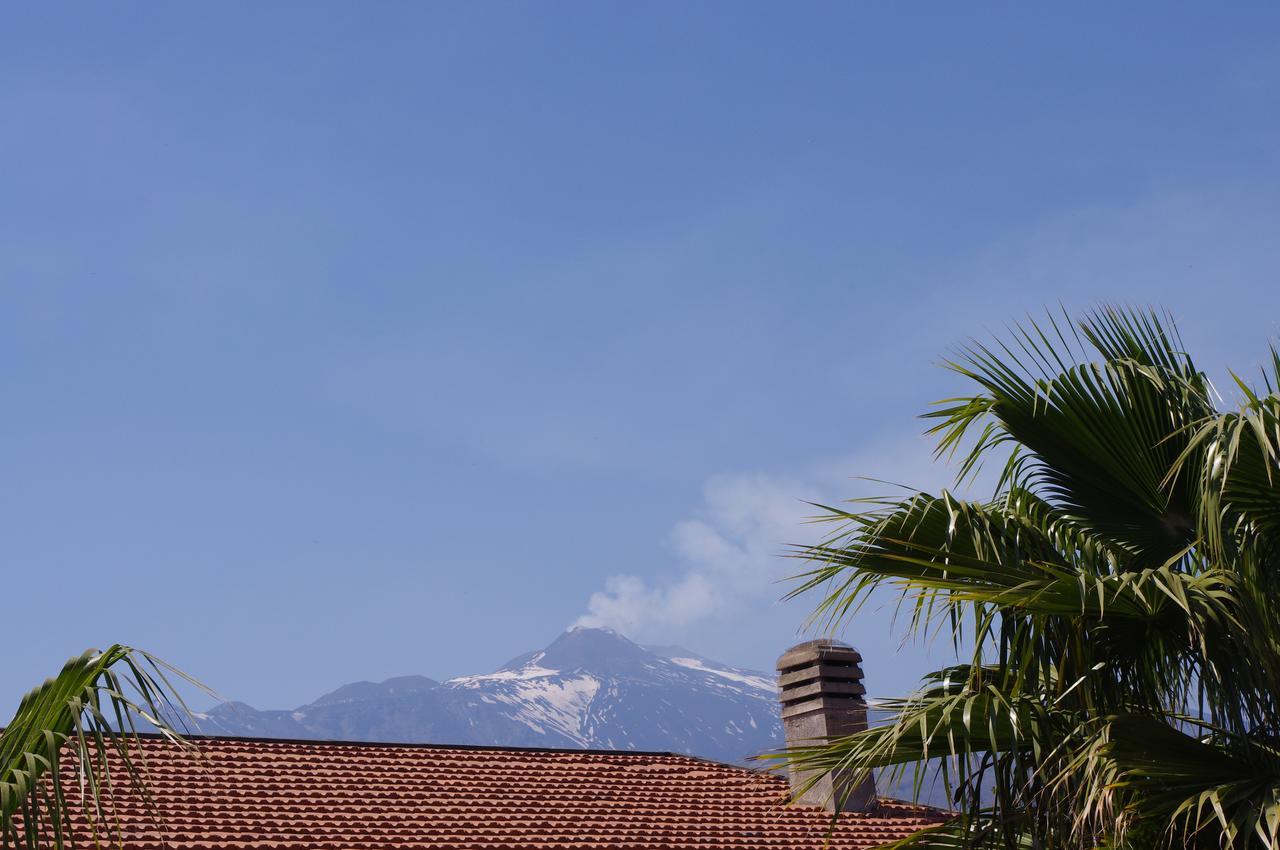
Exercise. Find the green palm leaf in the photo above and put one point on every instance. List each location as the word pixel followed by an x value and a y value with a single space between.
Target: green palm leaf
pixel 87 715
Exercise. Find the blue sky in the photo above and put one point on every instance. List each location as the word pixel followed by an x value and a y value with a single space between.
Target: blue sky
pixel 343 341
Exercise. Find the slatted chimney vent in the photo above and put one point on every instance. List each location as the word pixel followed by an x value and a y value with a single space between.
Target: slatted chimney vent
pixel 820 685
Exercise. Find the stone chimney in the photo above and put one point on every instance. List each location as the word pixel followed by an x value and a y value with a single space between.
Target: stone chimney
pixel 822 697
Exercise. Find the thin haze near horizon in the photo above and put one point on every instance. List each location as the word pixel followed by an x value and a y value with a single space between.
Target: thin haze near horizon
pixel 345 341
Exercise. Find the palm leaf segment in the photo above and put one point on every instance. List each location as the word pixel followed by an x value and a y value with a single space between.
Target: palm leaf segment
pixel 83 720
pixel 1114 599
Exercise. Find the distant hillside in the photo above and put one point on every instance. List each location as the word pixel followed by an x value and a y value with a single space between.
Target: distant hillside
pixel 589 688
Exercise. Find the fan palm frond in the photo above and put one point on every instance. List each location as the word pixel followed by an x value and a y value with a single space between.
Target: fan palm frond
pixel 1113 599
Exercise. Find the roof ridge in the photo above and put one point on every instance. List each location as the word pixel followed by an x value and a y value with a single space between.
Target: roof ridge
pixel 337 742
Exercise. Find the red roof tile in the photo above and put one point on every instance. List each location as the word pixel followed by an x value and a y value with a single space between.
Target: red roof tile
pixel 287 795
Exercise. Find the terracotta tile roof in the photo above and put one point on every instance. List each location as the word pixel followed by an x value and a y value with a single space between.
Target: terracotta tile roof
pixel 287 795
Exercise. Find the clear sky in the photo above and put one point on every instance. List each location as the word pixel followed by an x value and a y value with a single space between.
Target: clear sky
pixel 343 341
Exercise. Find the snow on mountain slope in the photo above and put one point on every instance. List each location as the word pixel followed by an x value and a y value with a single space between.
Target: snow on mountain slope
pixel 751 680
pixel 589 688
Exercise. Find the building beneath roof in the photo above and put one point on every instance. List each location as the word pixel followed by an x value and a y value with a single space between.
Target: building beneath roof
pixel 255 794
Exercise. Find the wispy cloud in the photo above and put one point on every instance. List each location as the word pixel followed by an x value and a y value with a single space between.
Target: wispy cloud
pixel 730 552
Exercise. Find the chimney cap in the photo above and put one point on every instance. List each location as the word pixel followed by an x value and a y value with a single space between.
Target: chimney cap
pixel 812 651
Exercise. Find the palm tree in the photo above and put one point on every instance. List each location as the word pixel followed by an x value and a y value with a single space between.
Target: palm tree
pixel 83 724
pixel 1114 606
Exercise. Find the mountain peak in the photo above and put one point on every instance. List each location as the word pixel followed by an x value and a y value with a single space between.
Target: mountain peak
pixel 595 650
pixel 604 629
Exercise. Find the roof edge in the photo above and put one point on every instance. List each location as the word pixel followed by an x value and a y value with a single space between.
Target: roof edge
pixel 337 742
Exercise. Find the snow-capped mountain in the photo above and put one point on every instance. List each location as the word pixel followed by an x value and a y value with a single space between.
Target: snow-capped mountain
pixel 590 688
